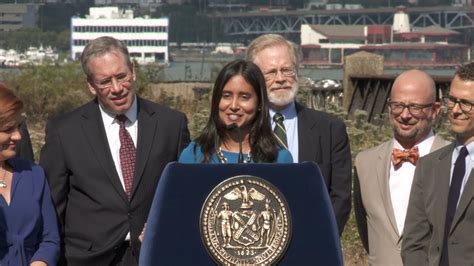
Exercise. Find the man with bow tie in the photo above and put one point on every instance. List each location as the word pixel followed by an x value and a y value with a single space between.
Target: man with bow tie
pixel 384 174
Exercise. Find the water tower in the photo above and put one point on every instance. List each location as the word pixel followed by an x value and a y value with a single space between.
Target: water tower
pixel 401 21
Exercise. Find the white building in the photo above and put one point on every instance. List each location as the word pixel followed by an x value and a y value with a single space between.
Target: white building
pixel 146 38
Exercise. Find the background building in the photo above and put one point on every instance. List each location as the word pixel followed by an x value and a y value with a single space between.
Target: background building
pixel 398 44
pixel 17 16
pixel 146 38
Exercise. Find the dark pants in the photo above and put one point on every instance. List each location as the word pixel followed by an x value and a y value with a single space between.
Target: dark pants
pixel 126 255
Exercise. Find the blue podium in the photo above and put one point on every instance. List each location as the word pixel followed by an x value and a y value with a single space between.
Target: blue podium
pixel 173 232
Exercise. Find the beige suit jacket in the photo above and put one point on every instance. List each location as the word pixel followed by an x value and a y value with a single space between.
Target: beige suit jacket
pixel 373 206
pixel 424 225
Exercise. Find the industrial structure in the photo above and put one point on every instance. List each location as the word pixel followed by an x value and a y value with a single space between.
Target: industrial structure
pixel 248 25
pixel 399 44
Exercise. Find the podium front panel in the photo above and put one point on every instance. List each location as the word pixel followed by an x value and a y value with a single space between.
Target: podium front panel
pixel 173 233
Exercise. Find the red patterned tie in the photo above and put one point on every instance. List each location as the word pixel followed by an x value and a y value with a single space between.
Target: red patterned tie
pixel 127 155
pixel 400 156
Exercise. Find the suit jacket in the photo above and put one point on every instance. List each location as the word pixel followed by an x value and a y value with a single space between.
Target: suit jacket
pixel 92 206
pixel 323 139
pixel 373 205
pixel 424 225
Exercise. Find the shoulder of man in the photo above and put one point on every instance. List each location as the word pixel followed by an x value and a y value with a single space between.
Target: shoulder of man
pixel 438 153
pixel 321 116
pixel 158 108
pixel 370 153
pixel 439 142
pixel 71 116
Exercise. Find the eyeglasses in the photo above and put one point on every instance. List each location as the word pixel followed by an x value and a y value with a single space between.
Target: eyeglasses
pixel 108 82
pixel 396 108
pixel 285 72
pixel 465 105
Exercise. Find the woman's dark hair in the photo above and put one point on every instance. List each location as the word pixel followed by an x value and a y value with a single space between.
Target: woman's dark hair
pixel 263 146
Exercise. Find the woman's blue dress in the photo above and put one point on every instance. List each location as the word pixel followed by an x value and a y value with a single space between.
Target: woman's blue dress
pixel 28 226
pixel 188 156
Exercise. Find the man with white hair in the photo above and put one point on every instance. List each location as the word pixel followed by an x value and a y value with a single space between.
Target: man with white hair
pixel 308 134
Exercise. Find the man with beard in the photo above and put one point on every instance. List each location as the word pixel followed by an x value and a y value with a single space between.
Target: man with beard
pixel 384 174
pixel 308 134
pixel 440 217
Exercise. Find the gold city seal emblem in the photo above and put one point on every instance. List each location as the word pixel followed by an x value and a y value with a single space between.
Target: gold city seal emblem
pixel 245 220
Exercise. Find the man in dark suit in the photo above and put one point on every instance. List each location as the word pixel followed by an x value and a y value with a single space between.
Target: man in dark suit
pixel 310 135
pixel 440 217
pixel 103 160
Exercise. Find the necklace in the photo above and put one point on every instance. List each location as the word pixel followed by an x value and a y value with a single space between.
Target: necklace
pixel 223 159
pixel 3 183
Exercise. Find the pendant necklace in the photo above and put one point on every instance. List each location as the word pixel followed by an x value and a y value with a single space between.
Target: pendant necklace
pixel 3 183
pixel 223 159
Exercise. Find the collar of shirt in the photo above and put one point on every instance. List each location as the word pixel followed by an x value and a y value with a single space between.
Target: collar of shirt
pixel 109 118
pixel 457 149
pixel 424 147
pixel 291 126
pixel 289 113
pixel 469 159
pixel 469 164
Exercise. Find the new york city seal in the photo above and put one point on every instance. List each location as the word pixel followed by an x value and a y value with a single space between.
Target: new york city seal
pixel 245 220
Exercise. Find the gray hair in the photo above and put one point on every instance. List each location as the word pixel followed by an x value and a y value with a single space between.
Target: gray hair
pixel 269 40
pixel 101 46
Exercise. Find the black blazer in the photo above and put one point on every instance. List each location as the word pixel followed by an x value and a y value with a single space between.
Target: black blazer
pixel 93 209
pixel 323 139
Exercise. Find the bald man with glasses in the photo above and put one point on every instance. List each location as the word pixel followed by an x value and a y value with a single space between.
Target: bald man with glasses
pixel 439 225
pixel 384 174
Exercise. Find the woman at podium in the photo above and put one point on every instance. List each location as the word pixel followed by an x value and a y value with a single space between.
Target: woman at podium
pixel 238 129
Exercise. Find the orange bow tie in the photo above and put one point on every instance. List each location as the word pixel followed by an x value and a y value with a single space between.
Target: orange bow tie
pixel 400 156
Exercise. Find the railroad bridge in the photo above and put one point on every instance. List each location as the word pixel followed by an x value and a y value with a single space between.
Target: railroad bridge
pixel 246 25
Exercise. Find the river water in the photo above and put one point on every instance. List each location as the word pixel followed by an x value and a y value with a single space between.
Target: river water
pixel 206 71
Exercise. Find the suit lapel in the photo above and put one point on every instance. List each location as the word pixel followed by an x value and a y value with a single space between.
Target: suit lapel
pixel 307 138
pixel 146 132
pixel 94 131
pixel 383 177
pixel 466 198
pixel 442 171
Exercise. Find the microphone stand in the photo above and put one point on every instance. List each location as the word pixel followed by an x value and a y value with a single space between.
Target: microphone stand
pixel 234 126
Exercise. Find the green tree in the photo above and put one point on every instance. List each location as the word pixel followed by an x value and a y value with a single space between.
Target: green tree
pixel 49 90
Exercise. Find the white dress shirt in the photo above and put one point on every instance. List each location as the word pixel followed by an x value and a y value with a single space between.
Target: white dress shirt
pixel 401 179
pixel 291 127
pixel 112 128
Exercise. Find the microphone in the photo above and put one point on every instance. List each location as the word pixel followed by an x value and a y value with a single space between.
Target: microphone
pixel 234 126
